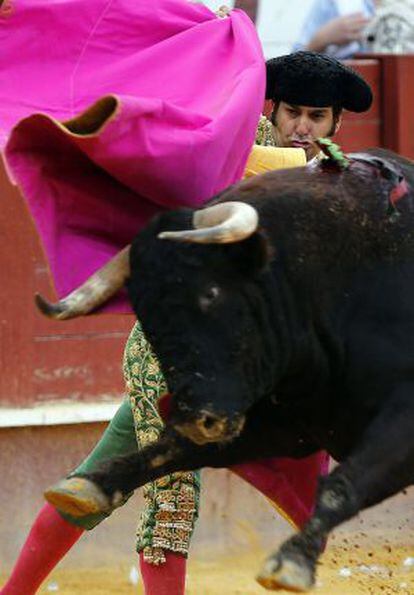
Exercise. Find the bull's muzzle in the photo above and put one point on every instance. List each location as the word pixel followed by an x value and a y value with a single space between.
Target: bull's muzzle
pixel 209 427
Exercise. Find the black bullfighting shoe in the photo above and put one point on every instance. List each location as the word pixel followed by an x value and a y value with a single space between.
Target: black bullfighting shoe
pixel 78 497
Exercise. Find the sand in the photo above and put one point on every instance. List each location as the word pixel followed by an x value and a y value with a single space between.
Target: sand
pixel 346 569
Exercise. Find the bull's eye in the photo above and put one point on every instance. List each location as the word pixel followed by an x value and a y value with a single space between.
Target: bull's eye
pixel 209 297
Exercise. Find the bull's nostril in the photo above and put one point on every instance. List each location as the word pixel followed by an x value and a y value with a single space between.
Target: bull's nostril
pixel 209 421
pixel 208 427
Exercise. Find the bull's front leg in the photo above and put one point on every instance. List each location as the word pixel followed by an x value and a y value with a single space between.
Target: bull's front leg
pixel 103 490
pixel 110 485
pixel 380 466
pixel 107 487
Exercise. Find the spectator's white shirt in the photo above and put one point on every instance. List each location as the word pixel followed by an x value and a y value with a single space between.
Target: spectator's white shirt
pixel 323 11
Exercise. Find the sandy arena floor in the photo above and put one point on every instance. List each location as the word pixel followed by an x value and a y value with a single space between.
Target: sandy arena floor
pixel 345 570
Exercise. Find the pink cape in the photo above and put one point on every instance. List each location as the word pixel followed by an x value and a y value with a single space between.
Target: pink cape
pixel 180 95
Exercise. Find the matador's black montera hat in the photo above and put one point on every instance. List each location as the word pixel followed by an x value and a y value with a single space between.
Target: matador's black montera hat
pixel 316 80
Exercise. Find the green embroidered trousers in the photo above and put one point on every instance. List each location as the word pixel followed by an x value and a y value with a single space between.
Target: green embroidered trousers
pixel 171 503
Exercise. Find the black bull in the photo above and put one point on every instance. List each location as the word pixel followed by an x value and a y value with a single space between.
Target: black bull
pixel 298 338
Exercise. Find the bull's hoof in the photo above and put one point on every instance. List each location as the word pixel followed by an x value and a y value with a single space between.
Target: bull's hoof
pixel 284 573
pixel 78 497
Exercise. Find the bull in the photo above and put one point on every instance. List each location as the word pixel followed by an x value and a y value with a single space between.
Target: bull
pixel 283 318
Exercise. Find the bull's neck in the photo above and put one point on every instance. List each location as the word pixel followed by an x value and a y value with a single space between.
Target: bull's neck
pixel 307 279
pixel 307 345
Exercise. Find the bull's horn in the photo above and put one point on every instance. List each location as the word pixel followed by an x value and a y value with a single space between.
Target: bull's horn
pixel 223 223
pixel 94 292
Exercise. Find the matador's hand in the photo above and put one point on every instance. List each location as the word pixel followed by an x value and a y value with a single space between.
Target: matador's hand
pixel 223 12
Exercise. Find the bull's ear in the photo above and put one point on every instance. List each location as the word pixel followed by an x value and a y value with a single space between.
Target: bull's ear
pixel 252 255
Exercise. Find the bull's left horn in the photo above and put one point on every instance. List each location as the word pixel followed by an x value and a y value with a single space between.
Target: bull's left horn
pixel 223 223
pixel 93 293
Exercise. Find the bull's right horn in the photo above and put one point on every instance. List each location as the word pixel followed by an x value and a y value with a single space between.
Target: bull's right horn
pixel 96 290
pixel 223 223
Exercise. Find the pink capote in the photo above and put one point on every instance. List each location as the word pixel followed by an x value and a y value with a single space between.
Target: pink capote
pixel 188 89
pixel 184 91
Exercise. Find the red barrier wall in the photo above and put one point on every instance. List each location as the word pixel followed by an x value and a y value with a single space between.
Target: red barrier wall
pixel 390 121
pixel 43 360
pixel 398 96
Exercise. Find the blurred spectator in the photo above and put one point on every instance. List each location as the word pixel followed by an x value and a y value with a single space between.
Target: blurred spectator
pixel 336 27
pixel 392 28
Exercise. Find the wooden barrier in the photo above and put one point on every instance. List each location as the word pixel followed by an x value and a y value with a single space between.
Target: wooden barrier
pixel 398 94
pixel 390 121
pixel 43 360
